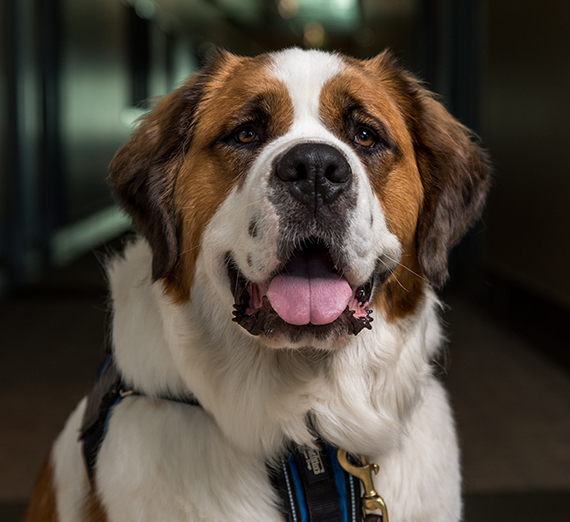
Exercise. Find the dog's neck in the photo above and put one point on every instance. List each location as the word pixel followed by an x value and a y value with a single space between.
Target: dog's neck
pixel 357 397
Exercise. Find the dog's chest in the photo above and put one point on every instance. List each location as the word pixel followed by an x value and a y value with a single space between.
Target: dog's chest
pixel 168 461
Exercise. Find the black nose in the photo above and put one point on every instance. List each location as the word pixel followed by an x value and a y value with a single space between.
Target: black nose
pixel 315 174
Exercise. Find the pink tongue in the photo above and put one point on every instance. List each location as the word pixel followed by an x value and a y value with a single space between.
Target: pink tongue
pixel 309 291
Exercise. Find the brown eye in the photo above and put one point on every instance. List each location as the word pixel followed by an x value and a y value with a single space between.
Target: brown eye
pixel 246 134
pixel 365 137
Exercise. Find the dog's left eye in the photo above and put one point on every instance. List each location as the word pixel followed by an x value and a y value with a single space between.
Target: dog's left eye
pixel 365 137
pixel 246 134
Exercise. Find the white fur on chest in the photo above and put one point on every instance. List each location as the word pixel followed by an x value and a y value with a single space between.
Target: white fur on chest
pixel 258 396
pixel 375 397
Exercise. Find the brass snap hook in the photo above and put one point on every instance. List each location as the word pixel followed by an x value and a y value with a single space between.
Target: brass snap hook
pixel 371 500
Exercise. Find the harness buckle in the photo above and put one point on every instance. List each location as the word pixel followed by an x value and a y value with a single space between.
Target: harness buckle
pixel 371 500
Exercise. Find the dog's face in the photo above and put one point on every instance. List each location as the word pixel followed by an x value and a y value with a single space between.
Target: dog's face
pixel 303 189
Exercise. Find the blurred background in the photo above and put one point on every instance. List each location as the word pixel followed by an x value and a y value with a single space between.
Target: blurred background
pixel 74 77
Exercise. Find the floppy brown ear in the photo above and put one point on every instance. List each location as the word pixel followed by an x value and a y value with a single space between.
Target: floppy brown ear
pixel 455 172
pixel 143 172
pixel 454 169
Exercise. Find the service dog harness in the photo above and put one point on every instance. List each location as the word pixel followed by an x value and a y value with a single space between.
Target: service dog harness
pixel 320 484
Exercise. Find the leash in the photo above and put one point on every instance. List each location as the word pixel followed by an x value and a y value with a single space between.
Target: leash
pixel 320 484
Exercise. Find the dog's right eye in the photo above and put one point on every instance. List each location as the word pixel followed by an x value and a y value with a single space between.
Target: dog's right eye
pixel 246 134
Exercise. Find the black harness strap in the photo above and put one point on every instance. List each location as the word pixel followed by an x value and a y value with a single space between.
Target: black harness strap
pixel 313 487
pixel 109 389
pixel 316 476
pixel 310 483
pixel 104 395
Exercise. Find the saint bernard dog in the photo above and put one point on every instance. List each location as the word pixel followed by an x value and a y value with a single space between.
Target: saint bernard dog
pixel 295 213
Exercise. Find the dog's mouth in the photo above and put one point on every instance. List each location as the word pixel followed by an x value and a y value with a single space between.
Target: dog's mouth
pixel 307 295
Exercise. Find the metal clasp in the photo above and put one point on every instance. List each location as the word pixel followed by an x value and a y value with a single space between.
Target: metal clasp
pixel 371 500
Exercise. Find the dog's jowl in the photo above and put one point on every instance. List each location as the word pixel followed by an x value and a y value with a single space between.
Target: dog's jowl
pixel 294 215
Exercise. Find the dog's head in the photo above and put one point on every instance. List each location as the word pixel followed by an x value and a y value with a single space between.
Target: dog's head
pixel 302 187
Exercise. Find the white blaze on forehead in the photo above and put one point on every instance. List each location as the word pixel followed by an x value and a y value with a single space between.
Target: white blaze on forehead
pixel 304 73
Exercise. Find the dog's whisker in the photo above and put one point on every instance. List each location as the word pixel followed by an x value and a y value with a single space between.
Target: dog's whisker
pixel 392 273
pixel 406 267
pixel 188 250
pixel 401 285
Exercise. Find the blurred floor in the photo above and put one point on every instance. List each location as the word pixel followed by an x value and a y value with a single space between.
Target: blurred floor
pixel 51 342
pixel 512 404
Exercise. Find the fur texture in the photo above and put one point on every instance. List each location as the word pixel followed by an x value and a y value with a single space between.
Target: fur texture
pixel 199 177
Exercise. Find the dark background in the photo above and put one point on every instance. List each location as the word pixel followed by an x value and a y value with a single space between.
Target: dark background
pixel 74 75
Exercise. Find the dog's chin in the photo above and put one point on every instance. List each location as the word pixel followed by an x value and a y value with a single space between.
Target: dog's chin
pixel 279 334
pixel 254 308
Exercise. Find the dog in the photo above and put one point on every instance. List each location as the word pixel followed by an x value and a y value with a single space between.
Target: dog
pixel 295 213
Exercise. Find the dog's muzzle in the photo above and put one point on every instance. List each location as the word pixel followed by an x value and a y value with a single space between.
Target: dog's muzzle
pixel 306 296
pixel 312 189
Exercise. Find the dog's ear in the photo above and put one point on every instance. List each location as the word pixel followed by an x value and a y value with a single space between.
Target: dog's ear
pixel 454 169
pixel 455 172
pixel 143 172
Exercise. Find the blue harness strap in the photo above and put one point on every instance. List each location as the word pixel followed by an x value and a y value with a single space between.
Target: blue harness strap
pixel 313 487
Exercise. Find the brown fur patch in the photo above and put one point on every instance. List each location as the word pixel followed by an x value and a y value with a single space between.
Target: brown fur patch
pixel 213 167
pixel 358 95
pixel 177 168
pixel 431 178
pixel 94 511
pixel 454 169
pixel 42 506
